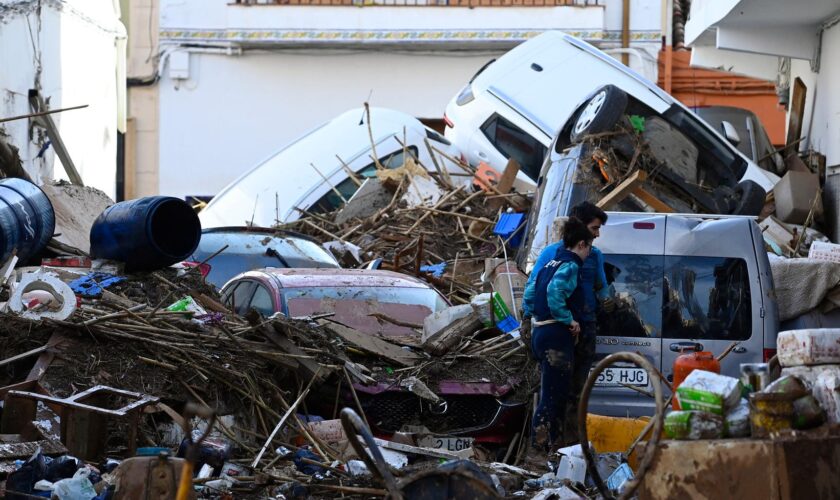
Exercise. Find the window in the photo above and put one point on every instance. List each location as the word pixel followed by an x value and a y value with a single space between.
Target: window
pixel 515 143
pixel 431 134
pixel 237 298
pixel 262 302
pixel 635 285
pixel 331 201
pixel 707 298
pixel 717 163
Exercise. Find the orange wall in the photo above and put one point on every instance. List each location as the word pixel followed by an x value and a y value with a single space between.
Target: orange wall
pixel 702 87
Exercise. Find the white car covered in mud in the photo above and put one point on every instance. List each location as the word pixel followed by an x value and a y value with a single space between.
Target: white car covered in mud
pixel 514 107
pixel 306 174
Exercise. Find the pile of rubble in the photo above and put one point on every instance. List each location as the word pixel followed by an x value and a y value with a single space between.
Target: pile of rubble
pixel 436 226
pixel 139 346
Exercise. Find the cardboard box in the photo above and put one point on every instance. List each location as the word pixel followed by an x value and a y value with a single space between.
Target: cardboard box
pixel 794 196
pixel 824 251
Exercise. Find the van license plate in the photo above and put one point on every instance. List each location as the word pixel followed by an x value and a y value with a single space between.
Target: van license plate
pixel 445 443
pixel 615 377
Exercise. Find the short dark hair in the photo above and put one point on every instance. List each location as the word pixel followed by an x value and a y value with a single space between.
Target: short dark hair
pixel 587 212
pixel 575 231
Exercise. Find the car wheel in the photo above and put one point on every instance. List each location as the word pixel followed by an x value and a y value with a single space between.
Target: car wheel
pixel 750 198
pixel 600 113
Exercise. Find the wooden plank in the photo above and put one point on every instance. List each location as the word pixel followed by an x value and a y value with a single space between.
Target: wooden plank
pixel 24 355
pixel 652 200
pixel 308 368
pixel 797 115
pixel 37 103
pixel 441 342
pixel 773 229
pixel 622 190
pixel 506 182
pixel 371 344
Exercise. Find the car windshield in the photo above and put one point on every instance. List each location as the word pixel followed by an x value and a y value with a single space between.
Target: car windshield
pixel 381 310
pixel 715 159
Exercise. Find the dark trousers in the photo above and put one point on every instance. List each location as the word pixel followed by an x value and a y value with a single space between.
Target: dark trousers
pixel 554 347
pixel 584 359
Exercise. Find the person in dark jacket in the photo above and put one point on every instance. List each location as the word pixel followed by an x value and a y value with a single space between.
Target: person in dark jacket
pixel 593 281
pixel 557 304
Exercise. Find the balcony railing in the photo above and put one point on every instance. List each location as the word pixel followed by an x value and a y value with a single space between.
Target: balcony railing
pixel 424 3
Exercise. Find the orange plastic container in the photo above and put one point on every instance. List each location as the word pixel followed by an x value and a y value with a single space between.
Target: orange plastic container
pixel 687 363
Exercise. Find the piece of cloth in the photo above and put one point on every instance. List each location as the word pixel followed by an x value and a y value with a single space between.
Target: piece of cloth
pixel 554 347
pixel 801 285
pixel 584 359
pixel 592 275
pixel 92 285
pixel 555 294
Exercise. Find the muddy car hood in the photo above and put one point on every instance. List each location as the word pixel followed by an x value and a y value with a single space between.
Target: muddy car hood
pixel 445 388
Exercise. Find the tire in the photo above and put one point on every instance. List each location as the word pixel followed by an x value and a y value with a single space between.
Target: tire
pixel 750 198
pixel 600 113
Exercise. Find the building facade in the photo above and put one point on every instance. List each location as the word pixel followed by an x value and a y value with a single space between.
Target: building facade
pixel 785 42
pixel 231 83
pixel 72 53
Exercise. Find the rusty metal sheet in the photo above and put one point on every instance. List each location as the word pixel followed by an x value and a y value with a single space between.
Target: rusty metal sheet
pixel 799 465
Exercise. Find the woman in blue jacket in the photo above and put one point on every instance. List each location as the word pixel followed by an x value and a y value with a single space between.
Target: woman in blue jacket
pixel 557 305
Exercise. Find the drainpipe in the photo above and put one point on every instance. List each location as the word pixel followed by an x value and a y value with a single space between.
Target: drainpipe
pixel 668 42
pixel 625 31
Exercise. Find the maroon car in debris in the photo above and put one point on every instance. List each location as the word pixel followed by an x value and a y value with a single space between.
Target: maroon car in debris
pixel 470 408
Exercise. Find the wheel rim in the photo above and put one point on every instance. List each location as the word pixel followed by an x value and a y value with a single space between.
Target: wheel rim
pixel 593 107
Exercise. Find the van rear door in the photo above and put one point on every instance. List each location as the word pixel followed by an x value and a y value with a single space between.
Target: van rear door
pixel 712 291
pixel 633 247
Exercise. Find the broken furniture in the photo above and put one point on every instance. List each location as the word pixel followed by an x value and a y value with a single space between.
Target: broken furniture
pixel 84 416
pixel 25 443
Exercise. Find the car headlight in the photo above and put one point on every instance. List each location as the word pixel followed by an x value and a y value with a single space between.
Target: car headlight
pixel 465 96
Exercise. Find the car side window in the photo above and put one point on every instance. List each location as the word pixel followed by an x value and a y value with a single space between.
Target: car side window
pixel 515 143
pixel 262 302
pixel 331 201
pixel 237 298
pixel 707 298
pixel 635 289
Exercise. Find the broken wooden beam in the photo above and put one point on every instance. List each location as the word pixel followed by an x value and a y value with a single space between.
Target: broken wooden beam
pixel 623 190
pixel 655 203
pixel 446 338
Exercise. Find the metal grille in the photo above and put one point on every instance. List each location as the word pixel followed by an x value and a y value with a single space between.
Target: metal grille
pixel 390 411
pixel 424 3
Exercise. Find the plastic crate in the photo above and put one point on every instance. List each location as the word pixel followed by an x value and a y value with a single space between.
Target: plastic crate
pixel 508 324
pixel 509 224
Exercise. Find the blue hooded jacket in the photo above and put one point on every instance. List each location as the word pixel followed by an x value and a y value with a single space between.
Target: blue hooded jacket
pixel 554 293
pixel 593 279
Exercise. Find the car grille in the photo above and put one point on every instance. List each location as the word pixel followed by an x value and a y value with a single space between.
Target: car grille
pixel 390 411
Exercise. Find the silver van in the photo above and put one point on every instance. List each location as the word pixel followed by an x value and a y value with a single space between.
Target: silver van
pixel 678 282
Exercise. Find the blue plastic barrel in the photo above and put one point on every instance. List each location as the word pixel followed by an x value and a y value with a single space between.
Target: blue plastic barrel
pixel 147 233
pixel 27 219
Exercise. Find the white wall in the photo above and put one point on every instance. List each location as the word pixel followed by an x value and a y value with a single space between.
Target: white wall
pixel 235 111
pixel 822 121
pixel 70 52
